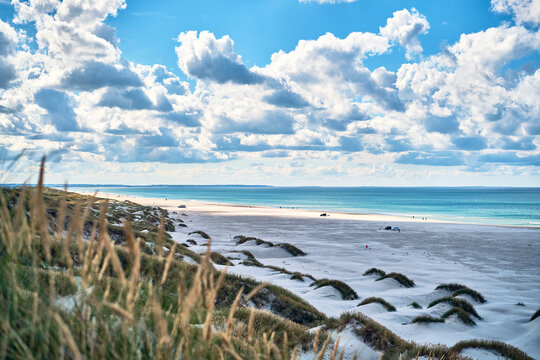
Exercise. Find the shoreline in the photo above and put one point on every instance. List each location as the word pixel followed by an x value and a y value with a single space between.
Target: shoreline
pixel 259 210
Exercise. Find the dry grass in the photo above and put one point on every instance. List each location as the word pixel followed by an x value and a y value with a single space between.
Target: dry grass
pixel 400 278
pixel 379 300
pixel 535 315
pixel 415 305
pixel 202 233
pixel 347 293
pixel 459 289
pixel 461 315
pixel 291 249
pixel 77 294
pixel 219 259
pixel 374 271
pixel 456 302
pixel 426 319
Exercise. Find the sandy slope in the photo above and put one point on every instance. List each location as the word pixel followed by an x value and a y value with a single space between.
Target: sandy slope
pixel 500 262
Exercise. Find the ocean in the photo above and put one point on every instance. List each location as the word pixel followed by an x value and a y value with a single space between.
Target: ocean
pixel 485 205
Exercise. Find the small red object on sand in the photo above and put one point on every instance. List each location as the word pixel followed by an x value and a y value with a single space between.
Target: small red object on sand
pixel 366 246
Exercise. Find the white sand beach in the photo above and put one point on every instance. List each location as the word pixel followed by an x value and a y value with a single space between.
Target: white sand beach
pixel 502 263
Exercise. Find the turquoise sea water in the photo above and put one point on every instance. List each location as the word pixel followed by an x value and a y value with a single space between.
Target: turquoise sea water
pixel 503 206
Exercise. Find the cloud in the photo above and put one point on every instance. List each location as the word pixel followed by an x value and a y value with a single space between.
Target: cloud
pixel 267 122
pixel 204 57
pixel 59 108
pixel 93 75
pixel 470 143
pixel 350 144
pixel 525 11
pixel 523 143
pixel 7 73
pixel 442 124
pixel 8 42
pixel 441 158
pixel 188 119
pixel 405 27
pixel 132 99
pixel 510 158
pixel 8 39
pixel 286 98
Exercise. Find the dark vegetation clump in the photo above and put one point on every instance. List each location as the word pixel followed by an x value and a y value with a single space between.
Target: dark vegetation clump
pixel 241 239
pixel 202 233
pixel 415 305
pixel 291 249
pixel 220 259
pixel 506 351
pixel 461 314
pixel 379 300
pixel 459 289
pixel 426 319
pixel 400 278
pixel 374 271
pixel 347 293
pixel 472 293
pixel 456 302
pixel 191 241
pixel 535 315
pixel 297 276
pixel 451 287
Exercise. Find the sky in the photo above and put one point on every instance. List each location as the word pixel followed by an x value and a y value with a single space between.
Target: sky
pixel 273 92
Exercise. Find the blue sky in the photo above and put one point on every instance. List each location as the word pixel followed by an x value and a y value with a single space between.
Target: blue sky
pixel 280 92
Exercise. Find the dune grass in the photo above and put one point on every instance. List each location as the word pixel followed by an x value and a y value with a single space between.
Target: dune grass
pixel 297 276
pixel 505 350
pixel 374 271
pixel 220 259
pixel 472 293
pixel 291 249
pixel 459 289
pixel 379 300
pixel 535 315
pixel 241 239
pixel 461 314
pixel 426 319
pixel 191 241
pixel 415 305
pixel 400 278
pixel 347 293
pixel 202 233
pixel 456 302
pixel 451 287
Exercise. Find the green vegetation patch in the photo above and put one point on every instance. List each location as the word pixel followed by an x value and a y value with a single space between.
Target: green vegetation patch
pixel 400 278
pixel 461 314
pixel 379 300
pixel 202 233
pixel 415 305
pixel 426 319
pixel 456 302
pixel 347 293
pixel 220 259
pixel 375 271
pixel 535 315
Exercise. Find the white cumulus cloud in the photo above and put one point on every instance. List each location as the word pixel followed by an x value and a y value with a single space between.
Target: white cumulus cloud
pixel 405 27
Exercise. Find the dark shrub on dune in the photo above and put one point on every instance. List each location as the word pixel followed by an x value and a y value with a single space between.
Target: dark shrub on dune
pixel 426 319
pixel 461 314
pixel 400 278
pixel 202 233
pixel 535 315
pixel 347 293
pixel 374 271
pixel 379 300
pixel 456 302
